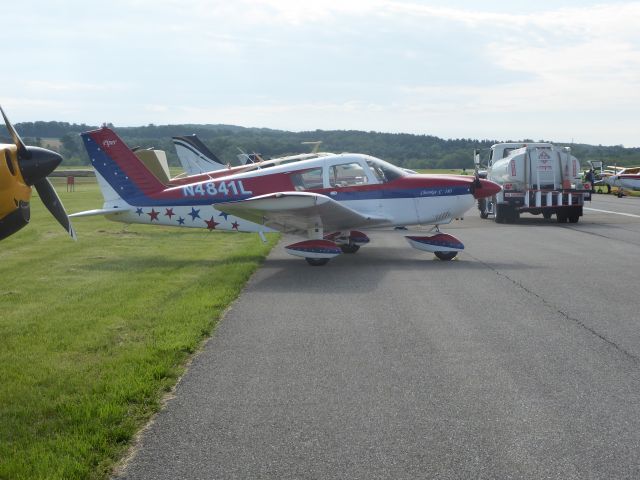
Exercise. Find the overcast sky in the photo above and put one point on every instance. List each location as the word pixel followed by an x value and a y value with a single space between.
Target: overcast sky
pixel 555 70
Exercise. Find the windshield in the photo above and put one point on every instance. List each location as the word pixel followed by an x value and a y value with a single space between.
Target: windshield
pixel 385 172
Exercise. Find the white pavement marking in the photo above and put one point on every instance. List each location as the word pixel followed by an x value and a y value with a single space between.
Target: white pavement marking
pixel 609 211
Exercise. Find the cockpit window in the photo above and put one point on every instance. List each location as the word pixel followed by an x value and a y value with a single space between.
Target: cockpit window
pixel 385 172
pixel 307 179
pixel 347 174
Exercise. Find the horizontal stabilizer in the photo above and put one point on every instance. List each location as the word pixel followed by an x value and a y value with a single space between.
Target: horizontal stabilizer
pixel 101 211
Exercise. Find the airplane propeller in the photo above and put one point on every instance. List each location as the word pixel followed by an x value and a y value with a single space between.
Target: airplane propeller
pixel 35 164
pixel 476 161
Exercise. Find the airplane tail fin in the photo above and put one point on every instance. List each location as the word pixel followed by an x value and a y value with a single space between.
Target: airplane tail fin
pixel 121 174
pixel 194 155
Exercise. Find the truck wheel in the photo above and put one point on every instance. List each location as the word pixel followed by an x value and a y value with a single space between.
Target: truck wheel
pixel 547 214
pixel 482 206
pixel 574 214
pixel 511 215
pixel 562 217
pixel 499 215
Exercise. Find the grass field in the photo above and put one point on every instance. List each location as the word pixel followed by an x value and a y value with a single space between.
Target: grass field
pixel 94 332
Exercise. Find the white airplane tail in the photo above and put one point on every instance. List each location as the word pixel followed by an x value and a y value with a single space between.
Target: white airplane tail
pixel 194 155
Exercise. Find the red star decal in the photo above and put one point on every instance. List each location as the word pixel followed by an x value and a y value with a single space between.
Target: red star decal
pixel 169 213
pixel 153 214
pixel 211 224
pixel 235 225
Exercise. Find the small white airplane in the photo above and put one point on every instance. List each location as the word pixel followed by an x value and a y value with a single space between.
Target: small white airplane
pixel 623 178
pixel 195 157
pixel 326 199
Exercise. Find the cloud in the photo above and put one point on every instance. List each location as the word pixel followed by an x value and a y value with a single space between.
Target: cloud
pixel 367 64
pixel 67 86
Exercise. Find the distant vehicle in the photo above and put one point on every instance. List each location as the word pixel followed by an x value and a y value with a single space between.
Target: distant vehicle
pixel 325 199
pixel 537 178
pixel 23 167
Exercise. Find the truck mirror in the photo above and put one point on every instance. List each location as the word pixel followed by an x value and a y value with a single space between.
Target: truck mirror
pixel 476 157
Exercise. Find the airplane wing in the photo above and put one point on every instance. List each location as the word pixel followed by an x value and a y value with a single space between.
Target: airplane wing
pixel 297 212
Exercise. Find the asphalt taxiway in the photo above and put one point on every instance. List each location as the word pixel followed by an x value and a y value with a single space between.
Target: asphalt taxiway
pixel 521 359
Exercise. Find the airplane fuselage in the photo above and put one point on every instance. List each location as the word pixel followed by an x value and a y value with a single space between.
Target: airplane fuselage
pixel 351 179
pixel 630 181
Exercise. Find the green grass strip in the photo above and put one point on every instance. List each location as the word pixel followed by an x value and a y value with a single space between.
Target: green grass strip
pixel 94 333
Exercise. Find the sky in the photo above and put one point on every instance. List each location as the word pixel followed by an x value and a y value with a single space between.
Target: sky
pixel 564 71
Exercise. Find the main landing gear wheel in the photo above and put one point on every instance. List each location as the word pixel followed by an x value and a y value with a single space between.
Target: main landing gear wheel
pixel 349 248
pixel 446 256
pixel 317 262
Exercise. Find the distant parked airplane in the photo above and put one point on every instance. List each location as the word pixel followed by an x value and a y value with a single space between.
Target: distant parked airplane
pixel 195 157
pixel 623 178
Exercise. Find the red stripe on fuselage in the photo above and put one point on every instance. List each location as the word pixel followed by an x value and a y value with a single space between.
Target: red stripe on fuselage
pixel 264 183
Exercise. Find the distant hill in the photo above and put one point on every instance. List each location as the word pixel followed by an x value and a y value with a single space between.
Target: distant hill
pixel 406 150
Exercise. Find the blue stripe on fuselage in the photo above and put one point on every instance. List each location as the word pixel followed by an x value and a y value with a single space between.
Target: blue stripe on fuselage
pixel 340 196
pixel 386 194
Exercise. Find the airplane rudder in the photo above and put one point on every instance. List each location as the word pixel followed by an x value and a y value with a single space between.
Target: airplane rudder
pixel 118 165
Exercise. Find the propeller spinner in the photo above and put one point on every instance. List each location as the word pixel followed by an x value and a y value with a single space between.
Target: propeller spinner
pixel 35 164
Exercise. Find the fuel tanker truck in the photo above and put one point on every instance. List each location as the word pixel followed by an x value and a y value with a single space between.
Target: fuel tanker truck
pixel 537 178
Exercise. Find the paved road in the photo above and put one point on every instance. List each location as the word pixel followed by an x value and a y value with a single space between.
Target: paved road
pixel 519 360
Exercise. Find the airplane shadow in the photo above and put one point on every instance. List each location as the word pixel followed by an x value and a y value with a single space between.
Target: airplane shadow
pixel 363 271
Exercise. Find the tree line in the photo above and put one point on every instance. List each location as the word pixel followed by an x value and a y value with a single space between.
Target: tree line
pixel 226 141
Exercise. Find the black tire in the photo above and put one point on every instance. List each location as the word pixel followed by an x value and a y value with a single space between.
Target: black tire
pixel 317 262
pixel 511 215
pixel 349 248
pixel 574 218
pixel 547 214
pixel 562 217
pixel 446 256
pixel 482 206
pixel 500 213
